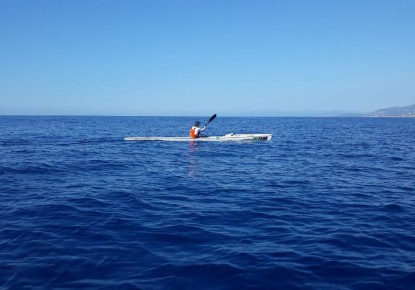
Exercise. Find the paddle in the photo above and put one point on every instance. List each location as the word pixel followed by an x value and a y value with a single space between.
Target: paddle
pixel 211 119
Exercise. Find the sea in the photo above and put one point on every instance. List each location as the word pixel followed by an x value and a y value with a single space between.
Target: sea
pixel 328 203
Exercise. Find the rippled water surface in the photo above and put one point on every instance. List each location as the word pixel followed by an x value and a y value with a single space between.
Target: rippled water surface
pixel 329 203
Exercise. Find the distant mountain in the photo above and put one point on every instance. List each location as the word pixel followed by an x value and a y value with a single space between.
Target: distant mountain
pixel 408 111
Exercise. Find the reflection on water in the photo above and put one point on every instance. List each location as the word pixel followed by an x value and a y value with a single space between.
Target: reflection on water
pixel 191 158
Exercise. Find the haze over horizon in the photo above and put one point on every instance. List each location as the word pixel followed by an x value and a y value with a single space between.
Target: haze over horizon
pixel 188 58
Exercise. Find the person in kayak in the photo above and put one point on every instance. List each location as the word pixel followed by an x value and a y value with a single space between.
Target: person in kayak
pixel 195 131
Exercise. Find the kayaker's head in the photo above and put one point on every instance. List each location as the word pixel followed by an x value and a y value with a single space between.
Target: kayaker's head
pixel 197 123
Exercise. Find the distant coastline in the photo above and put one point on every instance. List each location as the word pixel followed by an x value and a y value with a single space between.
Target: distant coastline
pixel 393 112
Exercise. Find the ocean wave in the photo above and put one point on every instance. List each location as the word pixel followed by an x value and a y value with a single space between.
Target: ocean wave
pixel 318 207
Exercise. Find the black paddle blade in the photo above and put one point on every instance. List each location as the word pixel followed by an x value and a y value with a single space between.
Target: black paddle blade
pixel 211 119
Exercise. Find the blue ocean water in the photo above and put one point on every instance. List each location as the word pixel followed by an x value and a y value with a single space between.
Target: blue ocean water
pixel 329 203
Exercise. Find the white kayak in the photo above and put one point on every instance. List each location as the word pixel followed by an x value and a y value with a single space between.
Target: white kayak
pixel 228 137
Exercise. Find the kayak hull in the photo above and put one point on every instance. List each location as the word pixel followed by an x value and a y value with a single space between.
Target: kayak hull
pixel 228 137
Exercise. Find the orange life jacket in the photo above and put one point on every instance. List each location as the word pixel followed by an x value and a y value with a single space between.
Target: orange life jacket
pixel 192 133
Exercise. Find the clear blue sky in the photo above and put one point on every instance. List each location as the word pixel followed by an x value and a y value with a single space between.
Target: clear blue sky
pixel 199 57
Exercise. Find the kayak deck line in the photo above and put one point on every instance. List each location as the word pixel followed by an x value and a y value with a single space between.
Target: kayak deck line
pixel 227 137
